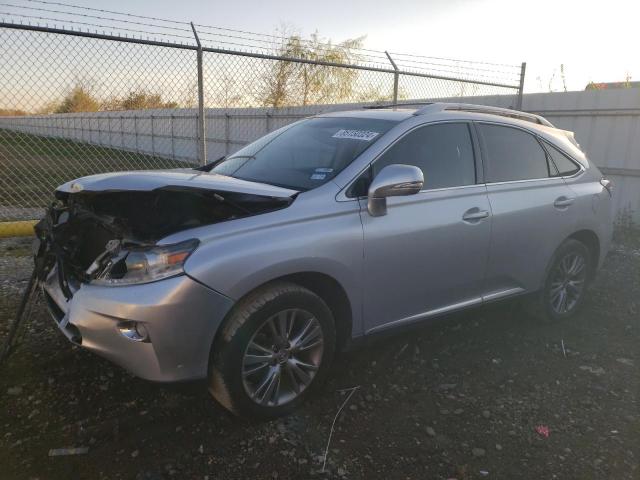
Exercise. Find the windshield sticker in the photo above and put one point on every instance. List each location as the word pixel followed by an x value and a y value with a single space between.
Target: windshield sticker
pixel 364 135
pixel 318 176
pixel 324 170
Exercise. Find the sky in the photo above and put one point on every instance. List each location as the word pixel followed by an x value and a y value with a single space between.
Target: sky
pixel 594 40
pixel 565 43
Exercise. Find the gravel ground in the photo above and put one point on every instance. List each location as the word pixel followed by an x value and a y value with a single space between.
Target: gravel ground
pixel 466 397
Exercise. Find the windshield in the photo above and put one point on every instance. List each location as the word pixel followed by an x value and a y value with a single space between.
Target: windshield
pixel 306 154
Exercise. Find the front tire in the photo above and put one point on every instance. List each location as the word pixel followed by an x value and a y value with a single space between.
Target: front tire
pixel 565 285
pixel 273 351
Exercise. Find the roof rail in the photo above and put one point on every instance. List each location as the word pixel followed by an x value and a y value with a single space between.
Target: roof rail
pixel 395 105
pixel 468 107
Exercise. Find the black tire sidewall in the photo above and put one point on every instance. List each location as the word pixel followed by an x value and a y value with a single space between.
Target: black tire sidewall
pixel 230 353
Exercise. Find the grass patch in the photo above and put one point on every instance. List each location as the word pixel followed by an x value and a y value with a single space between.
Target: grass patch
pixel 33 166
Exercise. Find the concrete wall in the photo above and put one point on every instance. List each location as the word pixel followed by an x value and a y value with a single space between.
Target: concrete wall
pixel 171 133
pixel 606 124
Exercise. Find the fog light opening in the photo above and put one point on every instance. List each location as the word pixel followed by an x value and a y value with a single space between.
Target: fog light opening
pixel 135 331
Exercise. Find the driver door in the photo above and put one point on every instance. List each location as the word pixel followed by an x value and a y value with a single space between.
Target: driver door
pixel 428 254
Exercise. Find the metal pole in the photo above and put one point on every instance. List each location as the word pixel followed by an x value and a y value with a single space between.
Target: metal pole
pixel 523 69
pixel 202 141
pixel 227 133
pixel 110 141
pixel 135 130
pixel 173 148
pixel 396 76
pixel 153 143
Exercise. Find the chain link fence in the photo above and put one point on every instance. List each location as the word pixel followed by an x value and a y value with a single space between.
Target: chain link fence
pixel 76 103
pixel 79 102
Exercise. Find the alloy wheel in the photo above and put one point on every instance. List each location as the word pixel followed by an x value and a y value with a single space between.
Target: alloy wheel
pixel 567 282
pixel 282 357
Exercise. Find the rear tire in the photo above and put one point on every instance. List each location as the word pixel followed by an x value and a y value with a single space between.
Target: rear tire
pixel 565 285
pixel 274 350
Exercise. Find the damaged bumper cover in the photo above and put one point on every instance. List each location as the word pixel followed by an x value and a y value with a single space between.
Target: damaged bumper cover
pixel 179 315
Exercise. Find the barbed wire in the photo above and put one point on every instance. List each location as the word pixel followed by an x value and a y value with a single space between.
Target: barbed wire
pixel 70 5
pixel 400 59
pixel 95 17
pixel 422 68
pixel 323 47
pixel 327 45
pixel 246 36
pixel 63 21
pixel 456 60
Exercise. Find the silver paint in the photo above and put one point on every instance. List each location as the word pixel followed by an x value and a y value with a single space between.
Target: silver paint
pixel 435 251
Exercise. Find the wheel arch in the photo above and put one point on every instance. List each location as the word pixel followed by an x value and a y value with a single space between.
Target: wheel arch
pixel 590 239
pixel 336 298
pixel 327 288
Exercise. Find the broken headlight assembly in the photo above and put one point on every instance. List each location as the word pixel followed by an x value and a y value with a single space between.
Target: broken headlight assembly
pixel 137 264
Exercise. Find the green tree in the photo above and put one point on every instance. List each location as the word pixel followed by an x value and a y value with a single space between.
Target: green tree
pixel 138 100
pixel 79 99
pixel 289 82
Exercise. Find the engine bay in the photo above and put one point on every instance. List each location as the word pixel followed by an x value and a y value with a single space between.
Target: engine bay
pixel 85 232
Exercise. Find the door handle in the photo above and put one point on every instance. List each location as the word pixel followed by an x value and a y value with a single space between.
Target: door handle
pixel 562 202
pixel 474 214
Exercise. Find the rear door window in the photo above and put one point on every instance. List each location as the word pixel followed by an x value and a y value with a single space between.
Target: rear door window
pixel 512 154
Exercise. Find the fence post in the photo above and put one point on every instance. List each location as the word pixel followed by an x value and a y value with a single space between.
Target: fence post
pixel 173 148
pixel 227 133
pixel 523 69
pixel 153 143
pixel 110 141
pixel 202 141
pixel 396 77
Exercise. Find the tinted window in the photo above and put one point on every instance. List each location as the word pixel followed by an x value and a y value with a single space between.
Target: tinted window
pixel 306 154
pixel 444 153
pixel 564 165
pixel 512 154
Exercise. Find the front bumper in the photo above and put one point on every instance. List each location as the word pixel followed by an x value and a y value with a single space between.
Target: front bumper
pixel 180 315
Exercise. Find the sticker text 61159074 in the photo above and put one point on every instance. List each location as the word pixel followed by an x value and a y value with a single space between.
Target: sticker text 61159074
pixel 364 135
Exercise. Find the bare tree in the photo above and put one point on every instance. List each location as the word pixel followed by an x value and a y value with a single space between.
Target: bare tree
pixel 11 112
pixel 227 93
pixel 563 76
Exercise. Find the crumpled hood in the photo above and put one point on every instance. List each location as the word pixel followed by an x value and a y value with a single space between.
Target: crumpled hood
pixel 148 180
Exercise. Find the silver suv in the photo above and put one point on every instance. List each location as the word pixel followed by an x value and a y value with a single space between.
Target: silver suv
pixel 254 270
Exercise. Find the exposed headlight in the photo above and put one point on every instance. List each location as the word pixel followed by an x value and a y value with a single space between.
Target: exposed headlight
pixel 144 265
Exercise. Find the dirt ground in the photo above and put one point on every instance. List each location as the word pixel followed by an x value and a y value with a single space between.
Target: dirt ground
pixel 459 398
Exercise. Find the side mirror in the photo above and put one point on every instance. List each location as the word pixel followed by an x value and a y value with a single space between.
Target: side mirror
pixel 393 181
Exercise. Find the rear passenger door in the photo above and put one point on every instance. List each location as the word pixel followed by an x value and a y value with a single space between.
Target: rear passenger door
pixel 428 254
pixel 531 209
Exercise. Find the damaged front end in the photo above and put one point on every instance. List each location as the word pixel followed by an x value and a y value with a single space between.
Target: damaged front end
pixel 110 237
pixel 107 230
